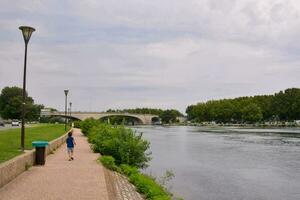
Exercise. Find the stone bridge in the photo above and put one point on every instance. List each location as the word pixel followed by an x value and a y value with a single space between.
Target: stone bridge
pixel 146 119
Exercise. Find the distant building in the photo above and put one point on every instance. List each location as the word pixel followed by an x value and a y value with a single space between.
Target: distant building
pixel 297 122
pixel 46 112
pixel 181 119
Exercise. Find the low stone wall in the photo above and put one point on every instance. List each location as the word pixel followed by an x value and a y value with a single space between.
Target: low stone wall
pixel 14 167
pixel 54 144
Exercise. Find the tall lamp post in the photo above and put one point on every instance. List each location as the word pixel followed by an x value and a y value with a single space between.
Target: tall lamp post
pixel 66 100
pixel 70 108
pixel 26 31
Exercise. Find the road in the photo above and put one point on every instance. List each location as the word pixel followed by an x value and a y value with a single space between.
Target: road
pixel 9 126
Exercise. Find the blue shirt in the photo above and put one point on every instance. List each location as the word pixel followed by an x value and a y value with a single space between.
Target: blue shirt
pixel 70 142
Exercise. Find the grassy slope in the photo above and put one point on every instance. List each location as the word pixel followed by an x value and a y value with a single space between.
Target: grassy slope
pixel 10 138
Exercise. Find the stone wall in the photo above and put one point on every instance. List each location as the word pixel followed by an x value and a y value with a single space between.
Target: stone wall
pixel 14 167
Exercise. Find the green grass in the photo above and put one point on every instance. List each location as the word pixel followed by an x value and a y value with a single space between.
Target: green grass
pixel 10 138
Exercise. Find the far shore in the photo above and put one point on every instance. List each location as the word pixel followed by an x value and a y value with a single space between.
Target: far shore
pixel 218 128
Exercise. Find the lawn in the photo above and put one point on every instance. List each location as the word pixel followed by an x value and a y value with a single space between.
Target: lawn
pixel 10 138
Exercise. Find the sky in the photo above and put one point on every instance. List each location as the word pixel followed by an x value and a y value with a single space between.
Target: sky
pixel 160 53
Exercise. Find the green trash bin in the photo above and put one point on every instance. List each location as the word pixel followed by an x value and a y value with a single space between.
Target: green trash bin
pixel 40 152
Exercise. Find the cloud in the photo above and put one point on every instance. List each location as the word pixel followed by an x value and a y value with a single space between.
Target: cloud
pixel 116 54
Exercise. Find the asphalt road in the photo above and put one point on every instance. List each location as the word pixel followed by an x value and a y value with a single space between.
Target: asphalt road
pixel 8 126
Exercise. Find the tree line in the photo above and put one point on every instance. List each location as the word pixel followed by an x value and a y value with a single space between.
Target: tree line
pixel 11 105
pixel 281 106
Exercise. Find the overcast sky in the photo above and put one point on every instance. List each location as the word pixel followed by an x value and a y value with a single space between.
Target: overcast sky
pixel 150 53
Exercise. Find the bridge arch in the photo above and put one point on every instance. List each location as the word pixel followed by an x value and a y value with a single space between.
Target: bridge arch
pixel 145 119
pixel 68 117
pixel 155 120
pixel 132 120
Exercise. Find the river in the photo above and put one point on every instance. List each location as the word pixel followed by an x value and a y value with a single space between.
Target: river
pixel 227 164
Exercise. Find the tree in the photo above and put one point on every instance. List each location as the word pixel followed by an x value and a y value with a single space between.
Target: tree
pixel 169 116
pixel 11 104
pixel 284 105
pixel 252 113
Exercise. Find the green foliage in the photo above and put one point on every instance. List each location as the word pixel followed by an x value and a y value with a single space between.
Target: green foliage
pixel 167 116
pixel 77 124
pixel 109 162
pixel 121 147
pixel 145 184
pixel 88 124
pixel 52 120
pixel 252 113
pixel 284 105
pixel 117 141
pixel 118 120
pixel 10 138
pixel 11 105
pixel 121 143
pixel 128 170
pixel 169 175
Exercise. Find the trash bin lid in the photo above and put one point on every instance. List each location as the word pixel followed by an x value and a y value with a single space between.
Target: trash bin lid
pixel 40 143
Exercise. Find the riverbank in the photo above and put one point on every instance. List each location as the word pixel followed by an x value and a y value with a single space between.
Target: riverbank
pixel 245 125
pixel 241 126
pixel 131 156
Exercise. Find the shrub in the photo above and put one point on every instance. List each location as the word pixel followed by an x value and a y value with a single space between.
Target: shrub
pixel 109 162
pixel 88 124
pixel 128 170
pixel 122 147
pixel 77 124
pixel 145 184
pixel 121 143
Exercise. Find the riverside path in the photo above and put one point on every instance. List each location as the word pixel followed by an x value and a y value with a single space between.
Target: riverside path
pixel 60 179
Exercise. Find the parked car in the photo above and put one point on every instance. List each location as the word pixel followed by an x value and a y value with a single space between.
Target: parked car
pixel 15 123
pixel 2 123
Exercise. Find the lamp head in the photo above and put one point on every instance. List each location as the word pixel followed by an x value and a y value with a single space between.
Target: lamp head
pixel 66 92
pixel 26 31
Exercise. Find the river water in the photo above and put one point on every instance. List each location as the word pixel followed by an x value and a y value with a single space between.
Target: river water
pixel 227 164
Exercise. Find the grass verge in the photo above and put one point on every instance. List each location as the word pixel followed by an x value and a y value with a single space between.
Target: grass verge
pixel 10 139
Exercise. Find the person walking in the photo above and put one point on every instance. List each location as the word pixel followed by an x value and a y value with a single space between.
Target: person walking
pixel 70 145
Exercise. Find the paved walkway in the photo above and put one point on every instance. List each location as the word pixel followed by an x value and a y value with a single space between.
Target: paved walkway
pixel 61 179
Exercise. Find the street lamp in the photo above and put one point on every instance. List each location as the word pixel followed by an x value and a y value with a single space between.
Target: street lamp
pixel 26 31
pixel 70 109
pixel 66 99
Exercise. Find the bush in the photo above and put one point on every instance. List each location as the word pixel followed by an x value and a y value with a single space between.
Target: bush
pixel 109 162
pixel 121 143
pixel 128 170
pixel 77 124
pixel 88 124
pixel 121 146
pixel 145 184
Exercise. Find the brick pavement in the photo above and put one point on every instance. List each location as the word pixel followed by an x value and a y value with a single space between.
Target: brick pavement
pixel 120 188
pixel 60 179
